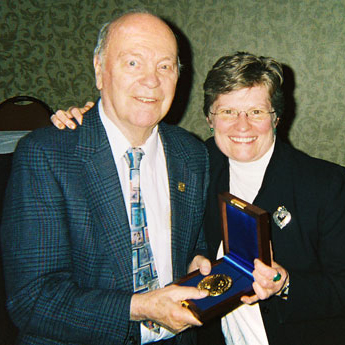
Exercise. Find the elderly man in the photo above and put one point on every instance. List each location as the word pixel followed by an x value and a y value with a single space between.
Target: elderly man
pixel 98 221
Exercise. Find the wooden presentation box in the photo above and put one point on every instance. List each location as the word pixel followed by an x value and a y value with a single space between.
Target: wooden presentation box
pixel 246 236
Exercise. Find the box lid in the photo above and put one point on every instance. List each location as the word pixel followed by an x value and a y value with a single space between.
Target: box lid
pixel 243 238
pixel 246 236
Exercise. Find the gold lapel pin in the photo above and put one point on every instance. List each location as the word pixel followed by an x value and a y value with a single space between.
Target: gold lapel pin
pixel 181 187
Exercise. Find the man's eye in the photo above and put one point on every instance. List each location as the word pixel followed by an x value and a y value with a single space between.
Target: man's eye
pixel 165 67
pixel 132 63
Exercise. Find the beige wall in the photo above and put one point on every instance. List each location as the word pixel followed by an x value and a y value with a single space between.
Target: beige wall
pixel 46 52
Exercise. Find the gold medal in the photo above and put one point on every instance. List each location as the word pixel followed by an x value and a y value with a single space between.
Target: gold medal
pixel 216 284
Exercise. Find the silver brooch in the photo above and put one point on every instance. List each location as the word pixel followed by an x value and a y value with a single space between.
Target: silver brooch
pixel 282 217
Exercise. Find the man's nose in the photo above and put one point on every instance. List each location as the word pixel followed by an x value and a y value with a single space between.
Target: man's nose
pixel 150 78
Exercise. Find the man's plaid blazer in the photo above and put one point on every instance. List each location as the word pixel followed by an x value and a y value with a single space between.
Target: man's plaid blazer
pixel 66 239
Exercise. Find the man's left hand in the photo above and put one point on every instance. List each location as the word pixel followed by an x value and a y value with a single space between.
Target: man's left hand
pixel 201 263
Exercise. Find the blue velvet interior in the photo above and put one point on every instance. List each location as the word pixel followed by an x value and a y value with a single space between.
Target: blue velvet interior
pixel 241 282
pixel 239 262
pixel 243 241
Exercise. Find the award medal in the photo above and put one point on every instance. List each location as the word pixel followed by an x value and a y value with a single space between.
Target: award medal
pixel 216 284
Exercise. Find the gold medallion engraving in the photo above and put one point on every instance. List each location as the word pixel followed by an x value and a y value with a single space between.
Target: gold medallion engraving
pixel 216 284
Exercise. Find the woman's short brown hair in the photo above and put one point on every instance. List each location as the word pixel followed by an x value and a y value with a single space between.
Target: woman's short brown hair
pixel 241 70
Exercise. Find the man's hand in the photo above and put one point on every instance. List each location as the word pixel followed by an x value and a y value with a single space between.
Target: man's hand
pixel 264 286
pixel 201 263
pixel 62 118
pixel 163 306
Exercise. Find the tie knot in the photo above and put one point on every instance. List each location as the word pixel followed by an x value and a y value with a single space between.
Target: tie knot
pixel 133 157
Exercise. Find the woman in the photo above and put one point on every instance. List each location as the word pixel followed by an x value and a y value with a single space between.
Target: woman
pixel 304 196
pixel 301 299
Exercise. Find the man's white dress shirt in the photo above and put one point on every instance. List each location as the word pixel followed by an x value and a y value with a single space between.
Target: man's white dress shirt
pixel 154 186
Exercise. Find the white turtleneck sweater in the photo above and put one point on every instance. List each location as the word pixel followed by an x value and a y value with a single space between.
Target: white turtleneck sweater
pixel 244 325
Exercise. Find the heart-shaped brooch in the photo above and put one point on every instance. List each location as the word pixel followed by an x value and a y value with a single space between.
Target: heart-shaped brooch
pixel 282 217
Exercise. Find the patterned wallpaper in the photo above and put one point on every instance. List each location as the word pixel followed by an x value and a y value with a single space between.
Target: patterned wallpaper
pixel 46 52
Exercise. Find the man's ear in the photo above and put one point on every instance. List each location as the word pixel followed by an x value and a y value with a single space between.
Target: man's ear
pixel 97 64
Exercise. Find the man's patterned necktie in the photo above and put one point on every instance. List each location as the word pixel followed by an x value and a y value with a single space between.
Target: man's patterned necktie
pixel 145 276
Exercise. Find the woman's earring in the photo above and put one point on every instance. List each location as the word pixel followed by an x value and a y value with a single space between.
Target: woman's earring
pixel 211 130
pixel 275 126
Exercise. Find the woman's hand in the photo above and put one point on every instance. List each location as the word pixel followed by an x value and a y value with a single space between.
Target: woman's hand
pixel 268 281
pixel 62 118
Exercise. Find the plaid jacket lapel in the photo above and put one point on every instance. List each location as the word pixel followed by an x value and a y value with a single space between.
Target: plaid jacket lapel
pixel 104 192
pixel 182 187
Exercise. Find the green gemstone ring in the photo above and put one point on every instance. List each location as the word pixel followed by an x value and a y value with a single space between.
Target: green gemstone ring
pixel 277 277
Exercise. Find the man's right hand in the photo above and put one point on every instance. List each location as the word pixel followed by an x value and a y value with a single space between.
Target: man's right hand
pixel 164 307
pixel 62 118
